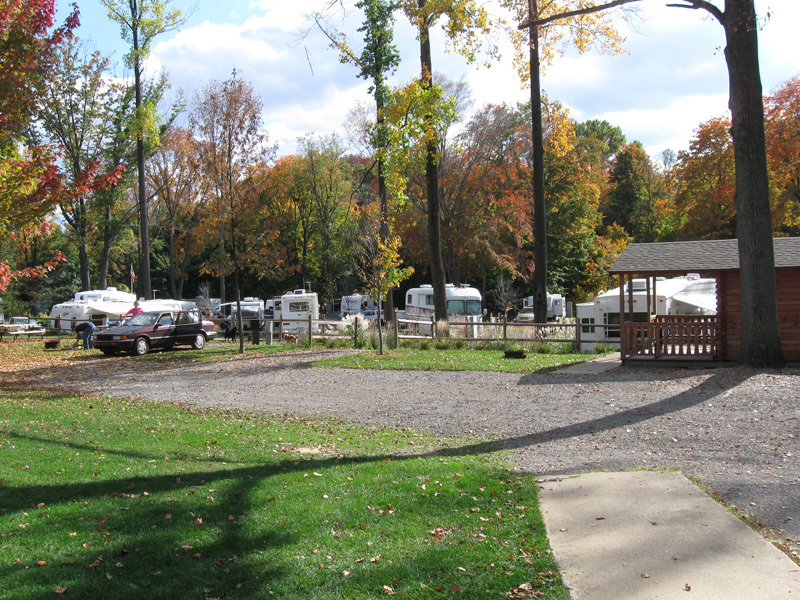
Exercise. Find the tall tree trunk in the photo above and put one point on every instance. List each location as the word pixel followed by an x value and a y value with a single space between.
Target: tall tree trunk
pixel 435 261
pixel 761 342
pixel 144 227
pixel 383 203
pixel 537 147
pixel 83 256
pixel 221 253
pixel 172 286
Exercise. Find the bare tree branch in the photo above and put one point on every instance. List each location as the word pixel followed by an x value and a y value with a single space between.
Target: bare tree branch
pixel 581 11
pixel 701 5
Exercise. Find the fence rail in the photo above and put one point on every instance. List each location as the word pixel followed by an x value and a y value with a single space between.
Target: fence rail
pixel 673 336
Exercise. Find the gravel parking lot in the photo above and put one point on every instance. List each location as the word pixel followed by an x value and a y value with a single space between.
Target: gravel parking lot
pixel 735 429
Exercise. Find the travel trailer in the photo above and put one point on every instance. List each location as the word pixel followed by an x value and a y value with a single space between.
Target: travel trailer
pixel 252 309
pixel 292 309
pixel 101 307
pixel 357 303
pixel 686 295
pixel 556 307
pixel 464 304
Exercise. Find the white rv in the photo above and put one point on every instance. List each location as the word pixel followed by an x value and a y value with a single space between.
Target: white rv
pixel 294 308
pixel 252 308
pixel 464 304
pixel 357 303
pixel 102 306
pixel 556 307
pixel 686 295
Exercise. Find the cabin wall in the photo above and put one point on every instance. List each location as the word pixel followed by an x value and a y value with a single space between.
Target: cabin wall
pixel 730 310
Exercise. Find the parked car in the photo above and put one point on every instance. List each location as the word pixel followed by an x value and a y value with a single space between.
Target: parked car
pixel 525 316
pixel 164 329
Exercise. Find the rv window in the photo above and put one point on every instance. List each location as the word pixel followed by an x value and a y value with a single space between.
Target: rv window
pixel 298 306
pixel 455 307
pixel 408 300
pixel 474 307
pixel 613 319
pixel 587 321
pixel 429 300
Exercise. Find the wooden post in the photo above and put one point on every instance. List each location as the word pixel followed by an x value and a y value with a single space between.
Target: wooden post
pixel 355 333
pixel 621 315
pixel 578 335
pixel 434 333
pixel 396 329
pixel 310 333
pixel 505 326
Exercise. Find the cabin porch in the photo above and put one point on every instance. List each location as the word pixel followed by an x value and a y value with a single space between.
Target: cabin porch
pixel 678 339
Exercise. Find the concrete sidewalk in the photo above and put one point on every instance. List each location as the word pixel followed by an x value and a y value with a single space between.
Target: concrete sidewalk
pixel 597 365
pixel 649 535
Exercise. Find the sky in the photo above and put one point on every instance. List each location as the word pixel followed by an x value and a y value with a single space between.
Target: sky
pixel 671 79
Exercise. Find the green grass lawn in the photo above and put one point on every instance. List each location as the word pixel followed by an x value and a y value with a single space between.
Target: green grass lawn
pixel 114 498
pixel 454 360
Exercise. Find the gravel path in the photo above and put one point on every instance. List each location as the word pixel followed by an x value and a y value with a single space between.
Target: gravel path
pixel 735 429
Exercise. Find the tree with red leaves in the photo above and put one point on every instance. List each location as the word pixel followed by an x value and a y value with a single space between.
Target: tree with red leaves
pixel 29 178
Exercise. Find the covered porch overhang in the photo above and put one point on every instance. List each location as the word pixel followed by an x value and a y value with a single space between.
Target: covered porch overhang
pixel 677 339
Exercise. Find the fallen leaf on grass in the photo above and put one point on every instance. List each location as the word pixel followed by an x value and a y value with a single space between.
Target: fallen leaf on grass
pixel 526 590
pixel 60 589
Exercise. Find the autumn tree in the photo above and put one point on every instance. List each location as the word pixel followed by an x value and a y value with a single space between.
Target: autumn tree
pixel 29 181
pixel 782 113
pixel 235 151
pixel 761 341
pixel 329 184
pixel 377 262
pixel 706 184
pixel 141 21
pixel 462 21
pixel 182 199
pixel 761 345
pixel 75 114
pixel 573 186
pixel 551 25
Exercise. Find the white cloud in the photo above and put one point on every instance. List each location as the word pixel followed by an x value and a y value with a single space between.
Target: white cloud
pixel 673 79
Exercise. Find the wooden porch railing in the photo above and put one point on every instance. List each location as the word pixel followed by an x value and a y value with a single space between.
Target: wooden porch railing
pixel 673 336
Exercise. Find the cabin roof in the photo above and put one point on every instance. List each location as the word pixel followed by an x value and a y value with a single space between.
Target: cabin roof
pixel 697 257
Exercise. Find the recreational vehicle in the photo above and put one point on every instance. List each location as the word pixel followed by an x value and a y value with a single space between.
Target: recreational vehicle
pixel 556 307
pixel 464 305
pixel 686 295
pixel 252 309
pixel 357 303
pixel 292 310
pixel 101 307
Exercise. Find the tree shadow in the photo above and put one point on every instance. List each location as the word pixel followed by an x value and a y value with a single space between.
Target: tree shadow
pixel 709 388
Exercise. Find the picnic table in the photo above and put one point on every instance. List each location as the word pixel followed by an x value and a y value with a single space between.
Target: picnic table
pixel 17 330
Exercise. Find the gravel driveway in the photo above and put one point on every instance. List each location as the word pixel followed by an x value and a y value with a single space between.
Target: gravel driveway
pixel 733 428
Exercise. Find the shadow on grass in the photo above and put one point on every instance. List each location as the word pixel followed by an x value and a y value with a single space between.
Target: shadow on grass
pixel 189 534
